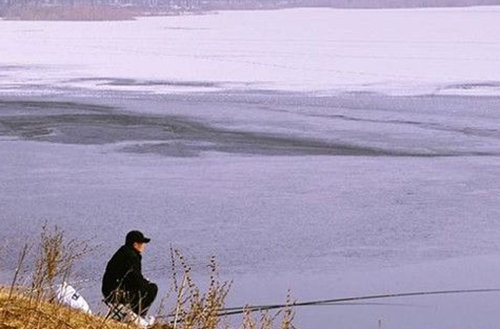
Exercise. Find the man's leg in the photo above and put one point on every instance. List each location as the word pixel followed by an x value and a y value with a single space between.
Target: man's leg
pixel 144 299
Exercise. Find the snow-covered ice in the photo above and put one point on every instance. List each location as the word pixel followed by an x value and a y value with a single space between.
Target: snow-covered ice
pixel 405 51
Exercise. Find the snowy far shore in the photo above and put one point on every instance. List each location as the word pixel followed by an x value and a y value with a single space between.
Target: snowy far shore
pixel 319 51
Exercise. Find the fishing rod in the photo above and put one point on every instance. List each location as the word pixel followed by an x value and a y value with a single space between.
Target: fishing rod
pixel 345 300
pixel 238 311
pixel 351 301
pixel 241 311
pixel 170 317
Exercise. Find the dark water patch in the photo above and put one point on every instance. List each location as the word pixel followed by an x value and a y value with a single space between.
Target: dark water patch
pixel 254 144
pixel 82 128
pixel 173 149
pixel 86 124
pixel 131 82
pixel 10 67
pixel 491 86
pixel 72 122
pixel 146 83
pixel 256 92
pixel 181 137
pixel 36 107
pixel 473 85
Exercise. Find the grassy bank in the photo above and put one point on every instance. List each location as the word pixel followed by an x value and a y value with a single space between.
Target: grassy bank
pixel 32 300
pixel 17 310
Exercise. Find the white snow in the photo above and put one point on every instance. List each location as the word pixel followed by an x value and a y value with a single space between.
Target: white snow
pixel 405 51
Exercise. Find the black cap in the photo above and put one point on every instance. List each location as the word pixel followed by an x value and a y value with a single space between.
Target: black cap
pixel 136 236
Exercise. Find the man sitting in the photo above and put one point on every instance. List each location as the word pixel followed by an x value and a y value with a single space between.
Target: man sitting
pixel 123 282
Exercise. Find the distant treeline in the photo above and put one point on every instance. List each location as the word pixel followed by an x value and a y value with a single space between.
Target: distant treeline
pixel 405 3
pixel 229 4
pixel 127 9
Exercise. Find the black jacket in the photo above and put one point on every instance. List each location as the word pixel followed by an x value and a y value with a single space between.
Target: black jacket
pixel 124 271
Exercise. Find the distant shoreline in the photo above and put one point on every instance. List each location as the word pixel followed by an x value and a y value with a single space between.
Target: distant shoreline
pixel 85 13
pixel 104 12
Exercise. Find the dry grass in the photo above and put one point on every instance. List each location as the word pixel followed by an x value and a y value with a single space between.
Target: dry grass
pixel 194 308
pixel 198 309
pixel 20 311
pixel 35 306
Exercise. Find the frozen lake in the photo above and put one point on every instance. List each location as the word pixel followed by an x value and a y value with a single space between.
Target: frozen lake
pixel 222 135
pixel 282 197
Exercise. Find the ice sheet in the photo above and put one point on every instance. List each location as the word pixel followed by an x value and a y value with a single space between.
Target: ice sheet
pixel 403 51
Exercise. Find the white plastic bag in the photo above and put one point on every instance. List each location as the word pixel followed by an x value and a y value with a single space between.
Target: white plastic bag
pixel 67 295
